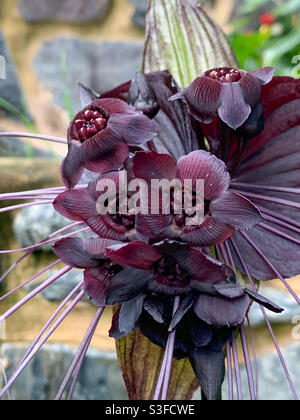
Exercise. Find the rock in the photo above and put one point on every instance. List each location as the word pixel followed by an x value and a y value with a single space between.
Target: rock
pixel 62 287
pixel 281 298
pixel 138 18
pixel 273 384
pixel 33 224
pixel 99 379
pixel 12 147
pixel 10 88
pixel 102 66
pixel 19 174
pixel 76 11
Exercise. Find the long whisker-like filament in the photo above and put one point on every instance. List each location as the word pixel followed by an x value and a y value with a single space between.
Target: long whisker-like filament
pixel 34 136
pixel 276 272
pixel 229 370
pixel 14 265
pixel 51 319
pixel 165 372
pixel 288 376
pixel 30 280
pixel 237 370
pixel 24 205
pixel 35 292
pixel 35 246
pixel 5 377
pixel 80 351
pixel 38 346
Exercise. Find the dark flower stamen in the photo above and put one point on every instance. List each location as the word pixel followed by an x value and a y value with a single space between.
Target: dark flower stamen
pixel 91 123
pixel 224 75
pixel 110 269
pixel 128 221
pixel 167 270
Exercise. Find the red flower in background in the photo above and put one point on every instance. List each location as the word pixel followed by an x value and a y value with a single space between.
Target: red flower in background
pixel 267 19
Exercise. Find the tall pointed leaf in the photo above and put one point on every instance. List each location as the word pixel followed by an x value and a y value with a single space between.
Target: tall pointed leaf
pixel 182 38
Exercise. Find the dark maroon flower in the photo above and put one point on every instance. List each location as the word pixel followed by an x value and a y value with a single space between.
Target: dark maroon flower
pixel 99 136
pixel 230 93
pixel 81 205
pixel 166 267
pixel 201 342
pixel 225 211
pixel 207 315
pixel 177 132
pixel 267 172
pixel 211 304
pixel 89 254
pixel 173 268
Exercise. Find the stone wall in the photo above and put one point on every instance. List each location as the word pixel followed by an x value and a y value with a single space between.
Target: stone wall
pixel 99 379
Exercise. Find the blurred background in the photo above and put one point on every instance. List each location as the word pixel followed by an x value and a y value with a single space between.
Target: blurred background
pixel 49 46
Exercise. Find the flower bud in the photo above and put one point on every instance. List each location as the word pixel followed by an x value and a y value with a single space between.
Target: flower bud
pixel 142 96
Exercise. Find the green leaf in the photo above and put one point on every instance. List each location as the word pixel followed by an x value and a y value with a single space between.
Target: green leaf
pixel 18 114
pixel 140 362
pixel 281 47
pixel 287 8
pixel 251 6
pixel 248 48
pixel 182 38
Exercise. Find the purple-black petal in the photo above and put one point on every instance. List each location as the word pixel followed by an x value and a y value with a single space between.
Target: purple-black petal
pixel 75 205
pixel 220 311
pixel 209 366
pixel 251 88
pixel 185 305
pixel 229 290
pixel 203 98
pixel 234 110
pixel 151 165
pixel 96 282
pixel 173 121
pixel 159 307
pixel 211 232
pixel 202 268
pixel 264 75
pixel 235 210
pixel 135 254
pixel 200 165
pixel 134 129
pixel 127 285
pixel 104 152
pixel 264 301
pixel 81 253
pixel 129 314
pixel 73 165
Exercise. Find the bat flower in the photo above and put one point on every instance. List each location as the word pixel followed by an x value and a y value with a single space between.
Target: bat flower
pixel 86 205
pixel 99 137
pixel 267 172
pixel 225 211
pixel 232 94
pixel 167 267
pixel 89 255
pixel 142 96
pixel 206 317
pixel 204 322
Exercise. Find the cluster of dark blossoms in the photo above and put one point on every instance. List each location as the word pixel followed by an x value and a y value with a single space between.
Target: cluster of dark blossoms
pixel 188 288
